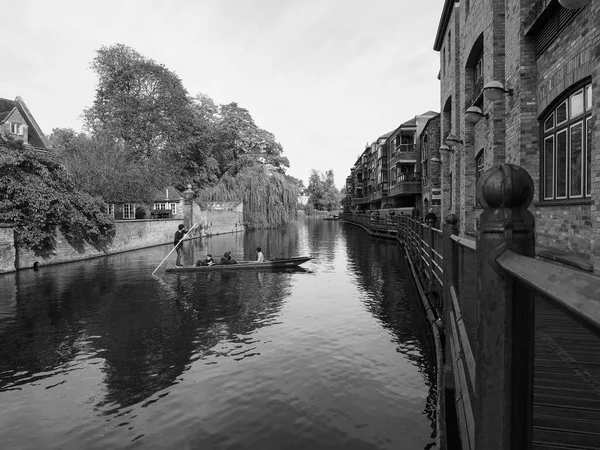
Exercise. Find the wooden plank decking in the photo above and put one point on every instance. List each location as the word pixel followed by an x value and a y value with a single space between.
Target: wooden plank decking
pixel 566 382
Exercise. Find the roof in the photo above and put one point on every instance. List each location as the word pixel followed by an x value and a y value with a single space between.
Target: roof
pixel 36 137
pixel 443 25
pixel 172 194
pixel 410 123
pixel 386 135
pixel 5 114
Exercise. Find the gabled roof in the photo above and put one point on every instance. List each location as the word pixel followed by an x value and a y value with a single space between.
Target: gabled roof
pixel 170 192
pixel 36 137
pixel 5 114
pixel 410 123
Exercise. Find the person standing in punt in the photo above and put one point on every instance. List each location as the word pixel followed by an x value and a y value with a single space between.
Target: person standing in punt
pixel 178 243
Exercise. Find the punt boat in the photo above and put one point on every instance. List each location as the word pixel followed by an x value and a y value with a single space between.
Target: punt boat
pixel 275 264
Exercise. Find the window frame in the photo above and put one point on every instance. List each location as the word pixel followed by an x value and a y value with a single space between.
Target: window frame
pixel 567 131
pixel 16 128
pixel 128 211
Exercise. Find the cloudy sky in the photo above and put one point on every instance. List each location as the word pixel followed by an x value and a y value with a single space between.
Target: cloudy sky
pixel 324 76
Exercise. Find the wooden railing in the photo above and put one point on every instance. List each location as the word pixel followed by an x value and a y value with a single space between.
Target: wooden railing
pixel 484 292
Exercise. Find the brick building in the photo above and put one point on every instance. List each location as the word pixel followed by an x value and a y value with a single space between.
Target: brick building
pixel 518 84
pixel 16 120
pixel 430 161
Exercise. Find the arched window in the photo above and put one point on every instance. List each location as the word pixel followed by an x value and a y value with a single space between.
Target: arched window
pixel 566 152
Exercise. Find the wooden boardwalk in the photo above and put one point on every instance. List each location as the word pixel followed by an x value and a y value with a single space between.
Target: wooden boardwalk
pixel 566 382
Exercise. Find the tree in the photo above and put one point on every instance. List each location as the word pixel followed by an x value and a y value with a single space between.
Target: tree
pixel 37 196
pixel 138 101
pixel 103 167
pixel 322 191
pixel 241 143
pixel 269 198
pixel 297 181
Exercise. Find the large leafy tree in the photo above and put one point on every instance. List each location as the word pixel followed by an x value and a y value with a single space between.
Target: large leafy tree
pixel 322 191
pixel 241 143
pixel 38 196
pixel 138 101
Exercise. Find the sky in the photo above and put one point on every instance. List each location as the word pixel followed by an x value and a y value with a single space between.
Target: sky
pixel 325 77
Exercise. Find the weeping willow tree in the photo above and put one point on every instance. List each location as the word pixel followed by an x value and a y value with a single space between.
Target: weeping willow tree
pixel 269 199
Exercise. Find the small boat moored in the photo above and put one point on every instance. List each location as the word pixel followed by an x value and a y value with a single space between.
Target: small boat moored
pixel 284 263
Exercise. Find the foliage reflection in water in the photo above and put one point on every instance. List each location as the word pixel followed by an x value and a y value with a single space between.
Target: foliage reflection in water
pixel 100 354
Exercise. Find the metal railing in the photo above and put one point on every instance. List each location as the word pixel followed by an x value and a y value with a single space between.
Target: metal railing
pixel 522 336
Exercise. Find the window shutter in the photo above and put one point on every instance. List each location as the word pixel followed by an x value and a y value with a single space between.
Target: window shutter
pixel 25 132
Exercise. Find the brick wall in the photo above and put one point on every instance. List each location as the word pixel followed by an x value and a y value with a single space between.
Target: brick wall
pixel 15 117
pixel 450 112
pixel 573 57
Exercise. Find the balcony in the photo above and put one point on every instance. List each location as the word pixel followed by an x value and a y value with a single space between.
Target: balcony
pixel 404 152
pixel 407 184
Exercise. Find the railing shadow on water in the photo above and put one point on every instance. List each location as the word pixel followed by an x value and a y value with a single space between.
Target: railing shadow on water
pixel 521 336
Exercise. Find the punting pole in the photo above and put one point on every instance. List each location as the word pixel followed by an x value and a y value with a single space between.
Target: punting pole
pixel 174 248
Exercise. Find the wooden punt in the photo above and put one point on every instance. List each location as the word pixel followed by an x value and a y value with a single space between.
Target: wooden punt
pixel 246 265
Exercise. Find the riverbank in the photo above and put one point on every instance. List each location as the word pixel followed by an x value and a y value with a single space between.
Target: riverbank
pixel 130 235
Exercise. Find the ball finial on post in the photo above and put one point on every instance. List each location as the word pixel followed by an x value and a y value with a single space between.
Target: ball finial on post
pixel 505 186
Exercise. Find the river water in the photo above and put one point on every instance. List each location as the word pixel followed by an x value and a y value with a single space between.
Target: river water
pixel 100 354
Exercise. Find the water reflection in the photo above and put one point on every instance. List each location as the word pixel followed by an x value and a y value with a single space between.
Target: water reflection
pixel 220 359
pixel 382 270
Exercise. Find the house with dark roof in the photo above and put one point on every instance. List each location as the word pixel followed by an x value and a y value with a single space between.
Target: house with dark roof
pixel 168 203
pixel 17 120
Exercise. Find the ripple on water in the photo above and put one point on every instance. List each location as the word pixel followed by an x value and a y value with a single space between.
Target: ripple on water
pixel 100 354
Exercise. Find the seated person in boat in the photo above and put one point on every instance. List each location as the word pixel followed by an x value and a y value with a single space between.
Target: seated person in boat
pixel 227 259
pixel 259 255
pixel 208 261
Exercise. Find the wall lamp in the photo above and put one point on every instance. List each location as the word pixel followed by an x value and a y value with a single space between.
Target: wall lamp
pixel 574 4
pixel 452 141
pixel 494 90
pixel 473 114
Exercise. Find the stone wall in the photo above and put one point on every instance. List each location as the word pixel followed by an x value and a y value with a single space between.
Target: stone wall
pixel 221 222
pixel 7 249
pixel 130 235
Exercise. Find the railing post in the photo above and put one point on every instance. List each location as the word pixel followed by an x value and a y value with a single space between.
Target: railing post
pixel 450 228
pixel 504 359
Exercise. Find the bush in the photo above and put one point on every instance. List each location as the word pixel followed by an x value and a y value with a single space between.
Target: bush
pixel 37 196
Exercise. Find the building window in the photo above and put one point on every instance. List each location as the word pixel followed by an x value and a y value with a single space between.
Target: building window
pixel 478 75
pixel 479 166
pixel 129 211
pixel 16 128
pixel 173 208
pixel 567 148
pixel 160 206
pixel 111 210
